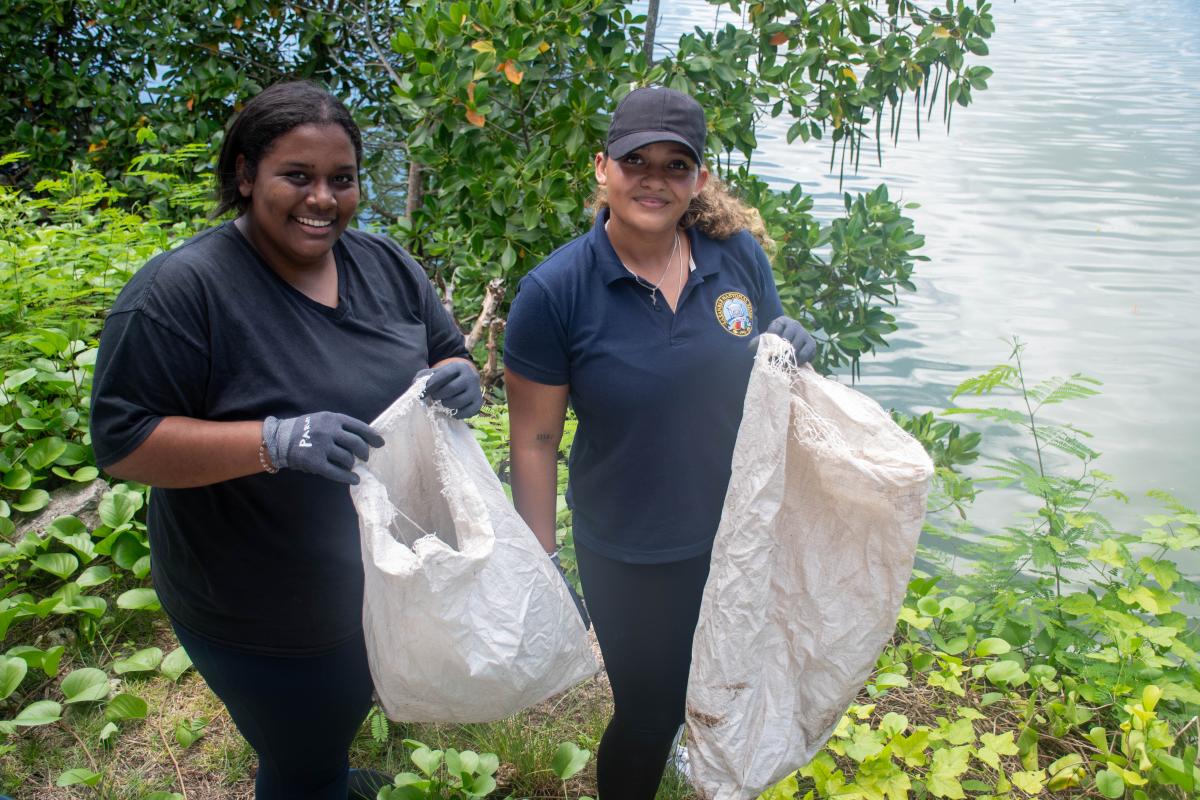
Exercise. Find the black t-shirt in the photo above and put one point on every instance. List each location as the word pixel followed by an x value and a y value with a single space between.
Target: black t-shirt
pixel 267 563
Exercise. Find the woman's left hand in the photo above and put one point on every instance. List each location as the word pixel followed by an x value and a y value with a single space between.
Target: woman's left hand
pixel 788 328
pixel 455 385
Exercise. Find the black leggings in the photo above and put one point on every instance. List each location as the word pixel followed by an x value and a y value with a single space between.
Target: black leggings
pixel 645 618
pixel 300 714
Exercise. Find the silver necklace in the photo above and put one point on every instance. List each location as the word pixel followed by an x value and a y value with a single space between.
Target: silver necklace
pixel 646 284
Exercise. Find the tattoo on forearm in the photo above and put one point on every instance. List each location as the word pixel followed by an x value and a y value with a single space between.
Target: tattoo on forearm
pixel 544 437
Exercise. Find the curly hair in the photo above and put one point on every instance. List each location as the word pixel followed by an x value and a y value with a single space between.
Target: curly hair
pixel 715 212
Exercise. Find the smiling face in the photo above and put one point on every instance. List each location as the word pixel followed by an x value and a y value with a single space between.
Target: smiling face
pixel 650 189
pixel 302 195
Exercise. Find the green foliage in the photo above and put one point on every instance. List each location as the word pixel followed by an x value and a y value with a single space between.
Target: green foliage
pixel 446 775
pixel 84 81
pixel 1069 670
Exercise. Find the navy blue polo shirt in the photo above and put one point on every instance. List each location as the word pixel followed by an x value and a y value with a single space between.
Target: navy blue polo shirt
pixel 658 393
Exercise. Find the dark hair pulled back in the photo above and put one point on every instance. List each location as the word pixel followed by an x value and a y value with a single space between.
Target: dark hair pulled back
pixel 267 116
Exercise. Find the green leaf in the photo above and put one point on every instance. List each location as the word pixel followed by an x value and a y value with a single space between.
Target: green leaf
pixel 85 685
pixel 992 647
pixel 142 599
pixel 78 775
pixel 161 795
pixel 108 730
pixel 1006 673
pixel 948 764
pixel 45 452
pixel 43 712
pixel 175 664
pixel 125 706
pixel 188 731
pixel 1031 782
pixel 993 746
pixel 12 672
pixel 17 479
pixel 145 660
pixel 94 576
pixel 889 680
pixel 58 564
pixel 118 508
pixel 32 500
pixel 426 760
pixel 568 760
pixel 1110 783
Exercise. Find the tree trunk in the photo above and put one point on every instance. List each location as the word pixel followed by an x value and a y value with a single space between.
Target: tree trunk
pixel 651 28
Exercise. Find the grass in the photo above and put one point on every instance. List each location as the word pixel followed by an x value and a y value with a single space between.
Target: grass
pixel 144 756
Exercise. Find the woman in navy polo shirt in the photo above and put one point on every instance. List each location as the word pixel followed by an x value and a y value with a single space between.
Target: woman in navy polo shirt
pixel 644 324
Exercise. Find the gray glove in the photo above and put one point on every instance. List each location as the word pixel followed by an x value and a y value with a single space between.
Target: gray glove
pixel 456 386
pixel 575 598
pixel 787 328
pixel 323 443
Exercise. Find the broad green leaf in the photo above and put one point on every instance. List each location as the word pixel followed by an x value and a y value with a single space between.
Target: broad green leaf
pixel 568 760
pixel 118 508
pixel 108 730
pixel 78 775
pixel 43 712
pixel 889 680
pixel 45 452
pixel 1030 782
pixel 188 731
pixel 18 479
pixel 161 795
pixel 175 664
pixel 993 746
pixel 992 647
pixel 125 706
pixel 948 764
pixel 488 763
pixel 145 660
pixel 94 576
pixel 1110 783
pixel 893 724
pixel 12 672
pixel 479 786
pixel 58 564
pixel 426 760
pixel 1006 673
pixel 142 599
pixel 85 685
pixel 32 500
pixel 784 790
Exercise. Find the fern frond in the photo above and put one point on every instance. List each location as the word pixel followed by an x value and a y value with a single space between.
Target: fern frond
pixel 1001 375
pixel 998 414
pixel 1059 390
pixel 1066 439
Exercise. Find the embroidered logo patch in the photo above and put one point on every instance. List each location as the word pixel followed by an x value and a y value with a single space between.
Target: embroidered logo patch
pixel 735 313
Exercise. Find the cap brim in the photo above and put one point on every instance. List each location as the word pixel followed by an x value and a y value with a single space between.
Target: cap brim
pixel 624 145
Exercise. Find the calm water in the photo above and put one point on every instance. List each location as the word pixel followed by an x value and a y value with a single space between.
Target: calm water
pixel 1063 207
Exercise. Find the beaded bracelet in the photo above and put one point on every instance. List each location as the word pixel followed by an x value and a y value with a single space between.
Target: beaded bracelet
pixel 265 459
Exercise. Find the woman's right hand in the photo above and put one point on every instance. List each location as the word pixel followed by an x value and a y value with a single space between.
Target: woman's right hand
pixel 324 443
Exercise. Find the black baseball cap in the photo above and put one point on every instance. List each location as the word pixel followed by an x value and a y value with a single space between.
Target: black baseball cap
pixel 656 114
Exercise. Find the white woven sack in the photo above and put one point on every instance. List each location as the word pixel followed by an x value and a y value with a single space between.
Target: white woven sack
pixel 809 569
pixel 466 619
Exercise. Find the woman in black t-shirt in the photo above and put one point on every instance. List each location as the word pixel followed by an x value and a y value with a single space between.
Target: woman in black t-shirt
pixel 234 377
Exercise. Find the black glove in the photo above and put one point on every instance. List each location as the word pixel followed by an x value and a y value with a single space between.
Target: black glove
pixel 787 328
pixel 456 386
pixel 583 614
pixel 323 443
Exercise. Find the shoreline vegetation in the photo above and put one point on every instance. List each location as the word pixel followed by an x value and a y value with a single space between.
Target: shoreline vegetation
pixel 1063 664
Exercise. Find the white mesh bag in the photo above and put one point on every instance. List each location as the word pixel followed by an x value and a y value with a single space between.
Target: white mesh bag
pixel 466 619
pixel 809 569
